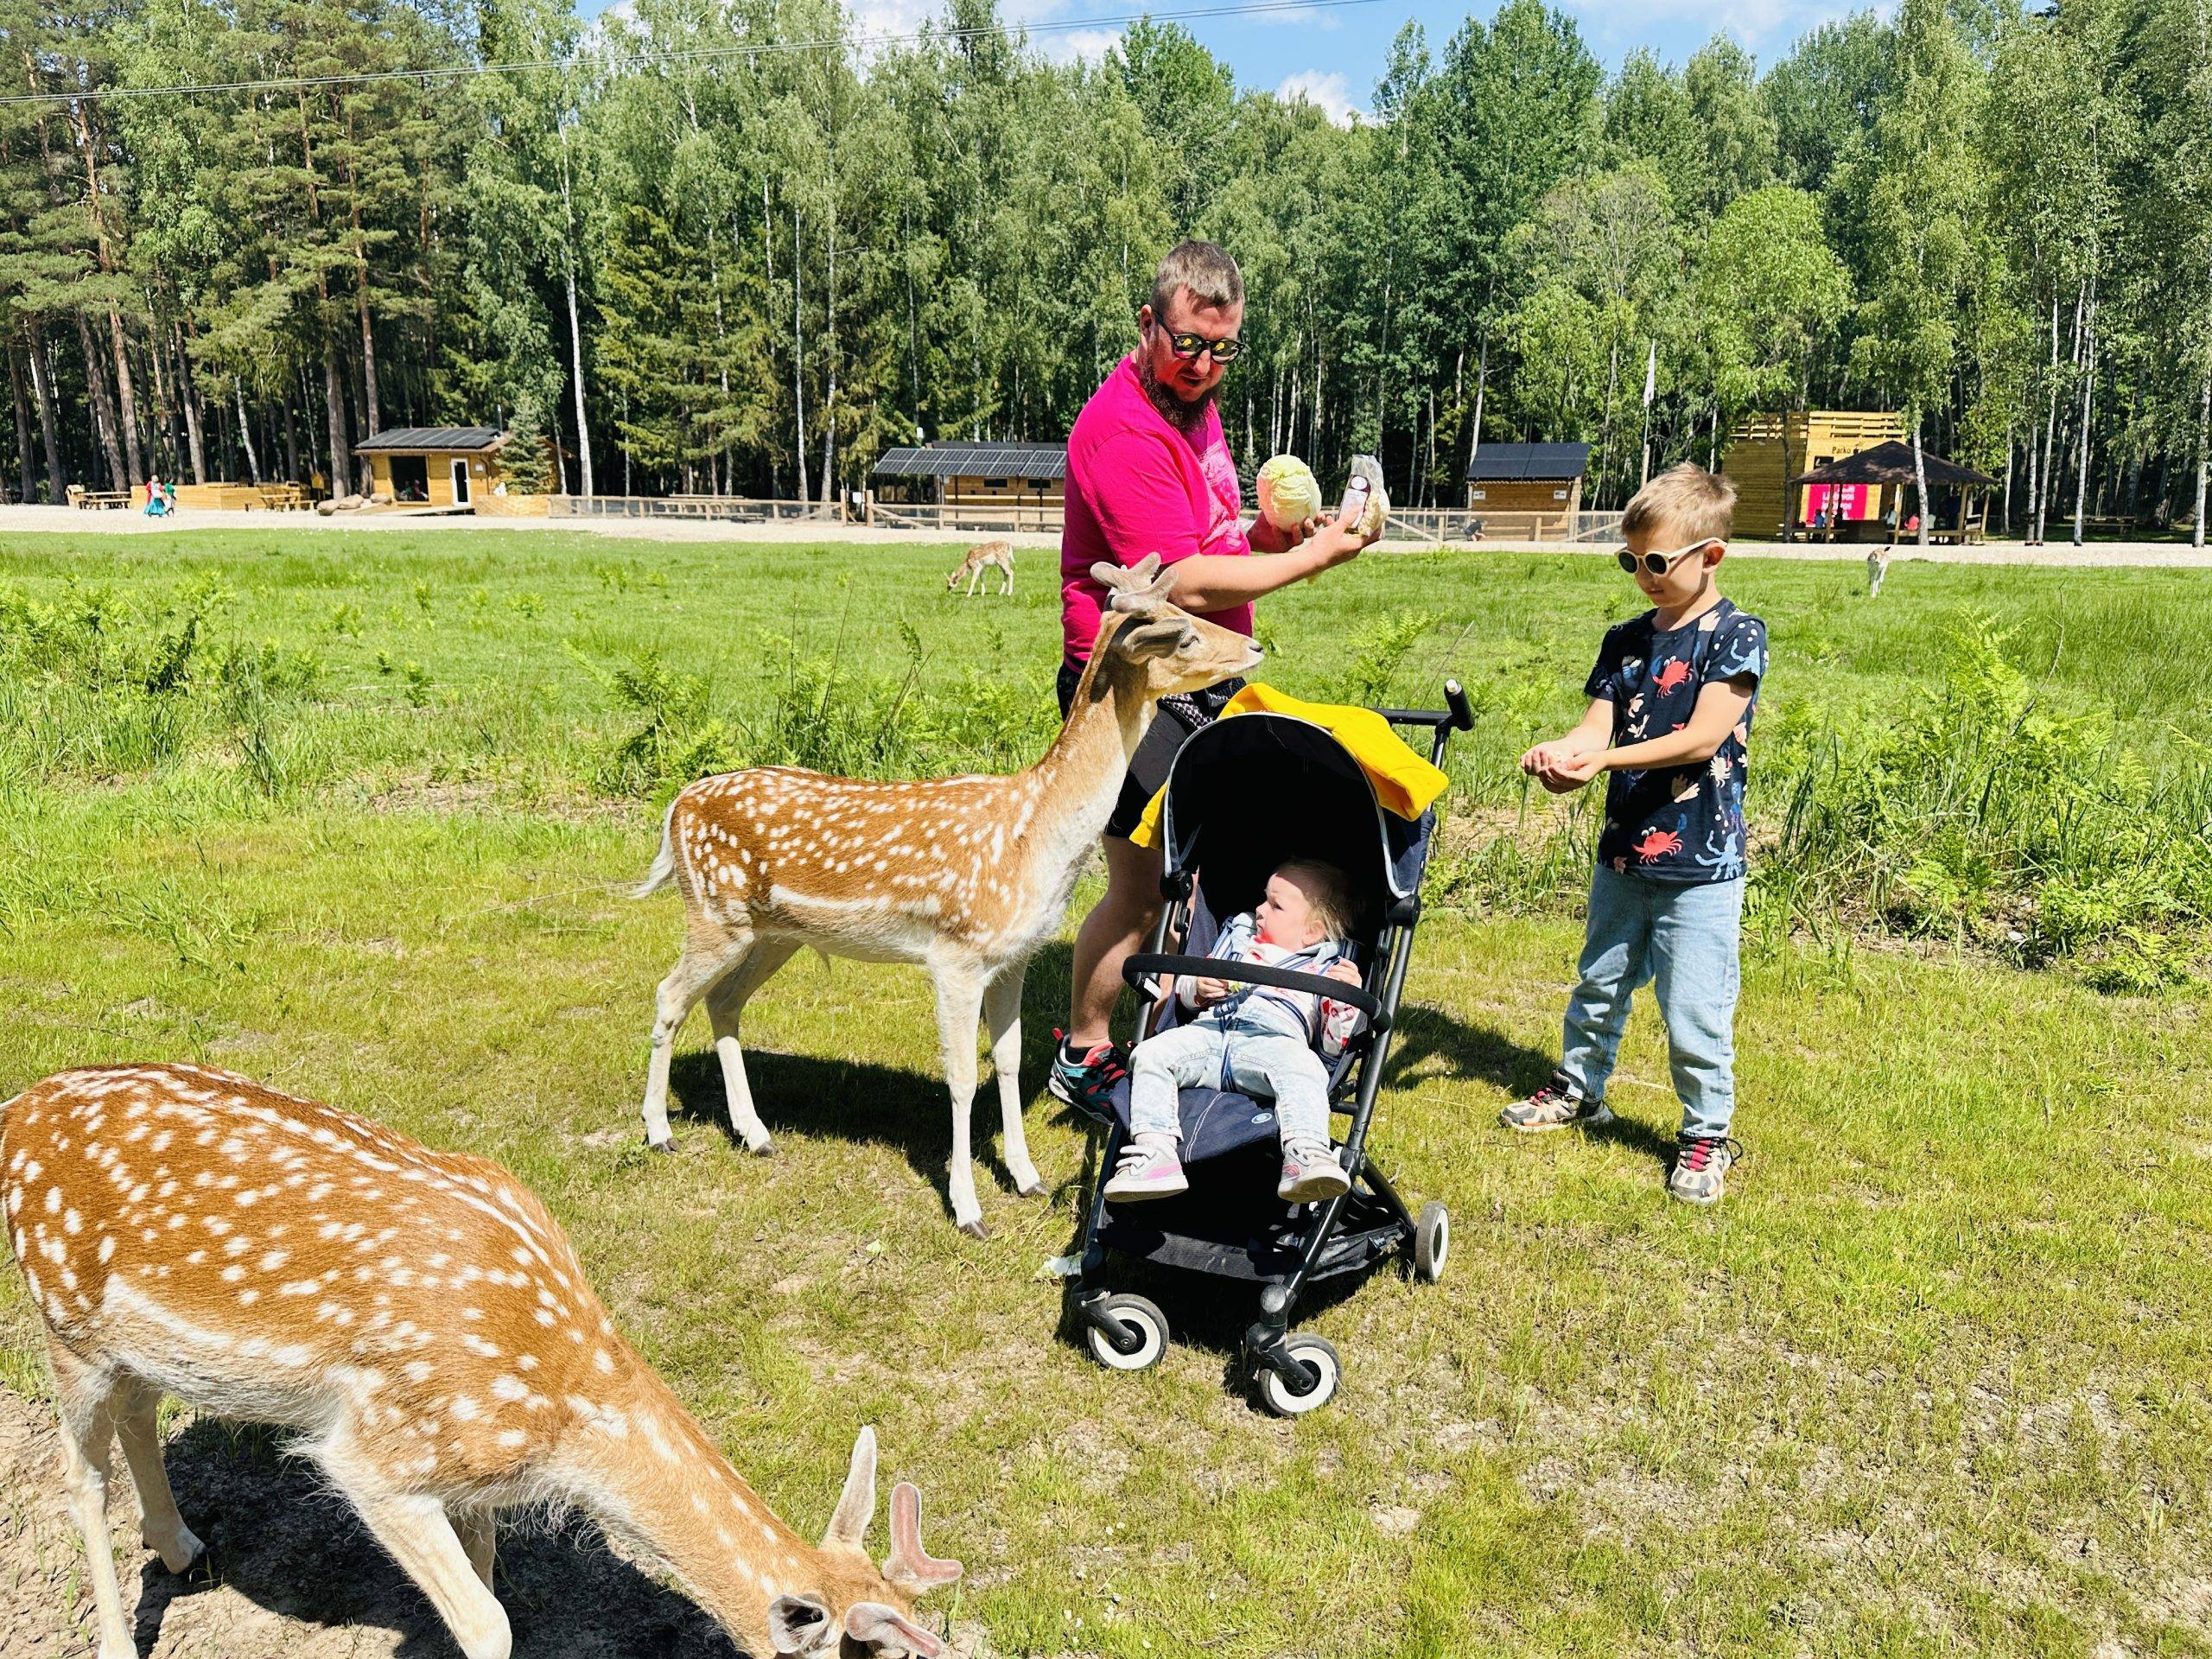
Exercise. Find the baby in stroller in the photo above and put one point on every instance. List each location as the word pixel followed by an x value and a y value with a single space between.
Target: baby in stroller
pixel 1256 1038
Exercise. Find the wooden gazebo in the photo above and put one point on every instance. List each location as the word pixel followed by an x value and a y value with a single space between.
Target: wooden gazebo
pixel 1888 469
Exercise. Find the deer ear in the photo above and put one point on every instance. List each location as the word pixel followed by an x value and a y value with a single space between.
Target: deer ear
pixel 799 1625
pixel 909 1567
pixel 856 1504
pixel 1163 638
pixel 888 1631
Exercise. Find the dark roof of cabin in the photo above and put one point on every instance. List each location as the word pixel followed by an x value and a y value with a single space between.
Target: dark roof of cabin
pixel 1891 462
pixel 976 461
pixel 1500 461
pixel 434 437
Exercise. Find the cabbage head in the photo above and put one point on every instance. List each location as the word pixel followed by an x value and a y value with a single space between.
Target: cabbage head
pixel 1289 493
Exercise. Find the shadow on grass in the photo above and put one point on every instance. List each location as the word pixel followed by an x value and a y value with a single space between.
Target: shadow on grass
pixel 278 1536
pixel 896 1107
pixel 1425 1034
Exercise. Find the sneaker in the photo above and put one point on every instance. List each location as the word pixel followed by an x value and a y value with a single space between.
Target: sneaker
pixel 1149 1167
pixel 1701 1171
pixel 1558 1105
pixel 1311 1174
pixel 1087 1083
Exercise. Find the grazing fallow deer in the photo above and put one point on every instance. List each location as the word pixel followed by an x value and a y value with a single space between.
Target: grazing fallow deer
pixel 966 876
pixel 982 558
pixel 418 1320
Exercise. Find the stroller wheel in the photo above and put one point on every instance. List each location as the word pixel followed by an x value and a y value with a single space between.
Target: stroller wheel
pixel 1431 1242
pixel 1142 1321
pixel 1284 1400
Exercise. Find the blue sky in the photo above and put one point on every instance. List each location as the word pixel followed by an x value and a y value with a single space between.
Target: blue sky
pixel 1333 56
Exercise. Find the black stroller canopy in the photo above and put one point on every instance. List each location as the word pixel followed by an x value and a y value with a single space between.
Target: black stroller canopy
pixel 1251 791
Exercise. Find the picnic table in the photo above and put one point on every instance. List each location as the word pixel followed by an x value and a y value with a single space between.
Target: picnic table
pixel 96 501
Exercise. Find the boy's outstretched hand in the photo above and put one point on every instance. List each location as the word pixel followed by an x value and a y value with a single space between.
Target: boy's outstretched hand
pixel 1561 766
pixel 1344 972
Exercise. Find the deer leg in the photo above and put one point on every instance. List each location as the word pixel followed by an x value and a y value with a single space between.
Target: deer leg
pixel 413 1528
pixel 84 1397
pixel 959 1002
pixel 679 994
pixel 725 1002
pixel 160 1525
pixel 1008 568
pixel 1002 1008
pixel 975 574
pixel 479 1532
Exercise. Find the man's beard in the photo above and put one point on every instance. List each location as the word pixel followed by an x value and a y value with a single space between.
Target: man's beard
pixel 1185 418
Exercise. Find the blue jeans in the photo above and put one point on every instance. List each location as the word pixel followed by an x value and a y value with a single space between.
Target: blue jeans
pixel 1259 1063
pixel 1682 939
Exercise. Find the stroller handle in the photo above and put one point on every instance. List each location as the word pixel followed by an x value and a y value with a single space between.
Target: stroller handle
pixel 1459 716
pixel 1137 969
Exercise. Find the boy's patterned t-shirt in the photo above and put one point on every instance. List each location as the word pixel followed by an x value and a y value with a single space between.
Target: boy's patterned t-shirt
pixel 1677 824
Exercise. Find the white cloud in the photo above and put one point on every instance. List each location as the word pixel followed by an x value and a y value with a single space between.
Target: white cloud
pixel 1325 90
pixel 1077 45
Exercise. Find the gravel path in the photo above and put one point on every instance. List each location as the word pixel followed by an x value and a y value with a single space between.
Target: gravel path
pixel 77 521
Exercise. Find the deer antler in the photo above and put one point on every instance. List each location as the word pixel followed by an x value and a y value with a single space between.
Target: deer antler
pixel 1142 590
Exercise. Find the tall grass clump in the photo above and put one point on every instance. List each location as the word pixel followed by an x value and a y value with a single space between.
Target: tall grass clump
pixel 821 711
pixel 94 684
pixel 1985 816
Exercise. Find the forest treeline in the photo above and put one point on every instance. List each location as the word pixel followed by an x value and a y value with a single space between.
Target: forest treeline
pixel 730 248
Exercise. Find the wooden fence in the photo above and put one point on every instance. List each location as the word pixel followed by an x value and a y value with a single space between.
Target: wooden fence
pixel 724 508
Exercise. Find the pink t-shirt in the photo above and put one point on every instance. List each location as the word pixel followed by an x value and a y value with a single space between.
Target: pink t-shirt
pixel 1137 486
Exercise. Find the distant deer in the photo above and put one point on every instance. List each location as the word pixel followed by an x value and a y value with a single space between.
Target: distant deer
pixel 966 876
pixel 420 1322
pixel 982 558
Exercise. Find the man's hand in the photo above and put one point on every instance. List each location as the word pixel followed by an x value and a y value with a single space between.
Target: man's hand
pixel 1206 992
pixel 1268 537
pixel 1337 541
pixel 1343 972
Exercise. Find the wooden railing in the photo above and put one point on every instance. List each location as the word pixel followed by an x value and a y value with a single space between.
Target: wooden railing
pixel 1461 526
pixel 966 519
pixel 725 509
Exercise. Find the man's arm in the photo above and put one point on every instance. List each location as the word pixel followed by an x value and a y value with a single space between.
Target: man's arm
pixel 1221 581
pixel 1143 508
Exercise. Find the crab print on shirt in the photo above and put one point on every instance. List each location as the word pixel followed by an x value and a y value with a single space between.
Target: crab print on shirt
pixel 1677 824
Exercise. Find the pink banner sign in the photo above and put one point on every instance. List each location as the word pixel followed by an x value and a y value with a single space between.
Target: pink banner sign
pixel 1841 502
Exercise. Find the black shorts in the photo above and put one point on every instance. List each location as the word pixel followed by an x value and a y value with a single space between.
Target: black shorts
pixel 1174 721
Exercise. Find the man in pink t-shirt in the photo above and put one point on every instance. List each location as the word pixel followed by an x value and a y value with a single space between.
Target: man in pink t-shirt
pixel 1149 471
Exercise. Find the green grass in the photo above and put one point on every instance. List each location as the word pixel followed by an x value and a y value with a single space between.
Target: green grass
pixel 1930 1382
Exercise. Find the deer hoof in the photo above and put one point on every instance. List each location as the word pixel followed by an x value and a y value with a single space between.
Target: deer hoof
pixel 975 1229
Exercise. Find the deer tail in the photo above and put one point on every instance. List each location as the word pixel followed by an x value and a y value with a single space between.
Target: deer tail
pixel 664 869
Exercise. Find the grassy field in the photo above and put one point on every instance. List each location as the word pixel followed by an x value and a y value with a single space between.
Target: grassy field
pixel 355 816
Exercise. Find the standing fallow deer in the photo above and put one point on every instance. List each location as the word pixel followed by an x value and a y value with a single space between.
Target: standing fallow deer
pixel 966 876
pixel 982 557
pixel 420 1323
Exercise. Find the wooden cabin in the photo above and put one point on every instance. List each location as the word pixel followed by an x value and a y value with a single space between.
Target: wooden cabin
pixel 1025 483
pixel 1766 450
pixel 443 467
pixel 1534 488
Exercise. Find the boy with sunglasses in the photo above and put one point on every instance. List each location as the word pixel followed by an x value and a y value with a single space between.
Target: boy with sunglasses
pixel 1671 700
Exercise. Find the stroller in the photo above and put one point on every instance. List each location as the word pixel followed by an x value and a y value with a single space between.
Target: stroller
pixel 1243 795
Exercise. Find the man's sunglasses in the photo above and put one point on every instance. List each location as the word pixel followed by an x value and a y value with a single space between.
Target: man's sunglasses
pixel 1659 564
pixel 1189 346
